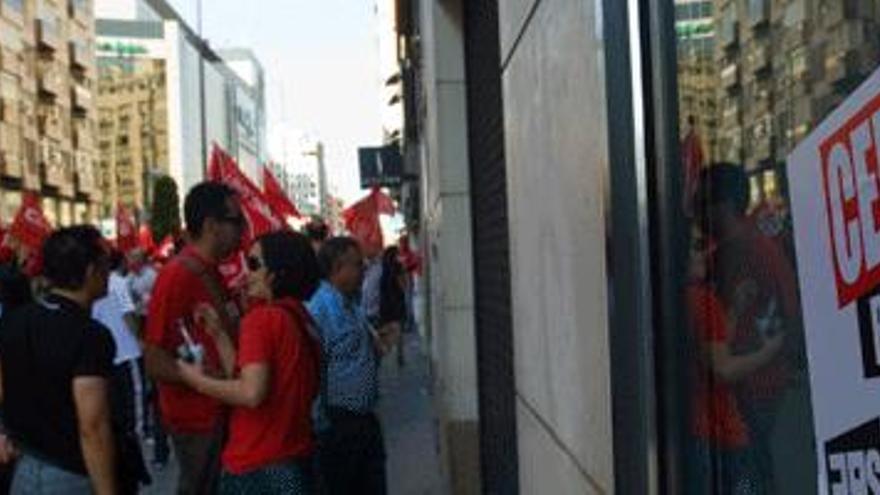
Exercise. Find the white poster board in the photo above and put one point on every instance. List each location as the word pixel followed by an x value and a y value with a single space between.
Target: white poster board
pixel 834 182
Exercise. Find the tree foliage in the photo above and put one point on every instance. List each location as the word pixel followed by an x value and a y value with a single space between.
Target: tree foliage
pixel 165 216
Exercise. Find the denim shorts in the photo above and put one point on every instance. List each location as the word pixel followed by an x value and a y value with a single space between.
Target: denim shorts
pixel 35 477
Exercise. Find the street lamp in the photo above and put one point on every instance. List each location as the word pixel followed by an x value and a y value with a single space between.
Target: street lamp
pixel 318 153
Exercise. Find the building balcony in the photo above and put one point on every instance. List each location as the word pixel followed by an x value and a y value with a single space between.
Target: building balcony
pixel 10 61
pixel 48 122
pixel 51 163
pixel 728 33
pixel 83 137
pixel 762 150
pixel 10 151
pixel 9 112
pixel 79 55
pixel 50 83
pixel 841 67
pixel 85 172
pixel 840 11
pixel 730 77
pixel 78 10
pixel 48 34
pixel 759 60
pixel 14 15
pixel 759 13
pixel 81 100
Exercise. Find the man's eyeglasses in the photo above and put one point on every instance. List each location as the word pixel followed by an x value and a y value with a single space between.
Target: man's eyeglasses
pixel 253 263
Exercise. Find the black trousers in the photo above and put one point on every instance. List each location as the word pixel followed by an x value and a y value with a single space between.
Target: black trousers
pixel 351 455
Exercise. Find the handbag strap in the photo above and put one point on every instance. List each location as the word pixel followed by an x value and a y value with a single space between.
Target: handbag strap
pixel 218 296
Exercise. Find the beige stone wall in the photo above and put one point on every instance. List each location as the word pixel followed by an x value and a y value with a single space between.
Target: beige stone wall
pixel 556 150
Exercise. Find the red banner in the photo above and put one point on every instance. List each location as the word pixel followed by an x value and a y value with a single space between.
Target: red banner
pixel 362 221
pixel 30 226
pixel 277 198
pixel 165 248
pixel 261 218
pixel 145 239
pixel 126 232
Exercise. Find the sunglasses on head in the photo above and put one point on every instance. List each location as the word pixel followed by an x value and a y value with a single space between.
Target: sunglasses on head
pixel 253 263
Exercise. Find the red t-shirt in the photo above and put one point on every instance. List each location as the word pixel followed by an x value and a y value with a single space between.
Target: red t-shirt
pixel 281 427
pixel 716 416
pixel 756 262
pixel 176 295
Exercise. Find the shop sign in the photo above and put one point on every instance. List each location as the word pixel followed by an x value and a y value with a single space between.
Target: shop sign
pixel 834 180
pixel 128 48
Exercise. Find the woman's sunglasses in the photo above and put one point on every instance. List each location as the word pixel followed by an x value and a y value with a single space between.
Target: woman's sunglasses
pixel 254 264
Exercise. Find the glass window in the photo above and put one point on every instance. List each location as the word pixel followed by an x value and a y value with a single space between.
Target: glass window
pixel 747 98
pixel 16 5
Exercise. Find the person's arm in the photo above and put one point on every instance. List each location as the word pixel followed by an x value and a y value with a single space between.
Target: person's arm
pixel 161 365
pixel 96 436
pixel 207 316
pixel 249 389
pixel 162 314
pixel 134 324
pixel 732 368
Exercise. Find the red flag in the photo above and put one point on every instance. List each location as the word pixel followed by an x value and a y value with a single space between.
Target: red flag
pixel 145 239
pixel 126 233
pixel 362 221
pixel 261 218
pixel 256 209
pixel 165 248
pixel 30 226
pixel 278 200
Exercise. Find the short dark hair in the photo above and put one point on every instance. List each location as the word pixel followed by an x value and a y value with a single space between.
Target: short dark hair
pixel 205 200
pixel 68 252
pixel 724 183
pixel 316 230
pixel 290 257
pixel 332 251
pixel 116 260
pixel 15 288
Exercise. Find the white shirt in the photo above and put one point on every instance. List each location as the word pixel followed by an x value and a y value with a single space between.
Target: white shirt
pixel 371 290
pixel 141 285
pixel 110 311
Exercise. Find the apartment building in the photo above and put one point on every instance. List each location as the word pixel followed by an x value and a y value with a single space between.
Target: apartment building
pixel 47 113
pixel 133 129
pixel 783 66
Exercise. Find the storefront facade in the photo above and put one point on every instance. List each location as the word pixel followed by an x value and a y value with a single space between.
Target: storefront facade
pixel 673 219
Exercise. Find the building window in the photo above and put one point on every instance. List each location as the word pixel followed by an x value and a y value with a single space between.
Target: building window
pixel 14 5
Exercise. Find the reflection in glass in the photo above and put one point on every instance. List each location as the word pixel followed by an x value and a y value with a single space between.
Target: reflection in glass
pixel 755 77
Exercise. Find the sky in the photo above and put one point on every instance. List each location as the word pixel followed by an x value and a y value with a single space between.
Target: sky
pixel 322 69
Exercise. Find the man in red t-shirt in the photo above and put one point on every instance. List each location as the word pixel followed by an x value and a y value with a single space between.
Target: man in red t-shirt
pixel 175 330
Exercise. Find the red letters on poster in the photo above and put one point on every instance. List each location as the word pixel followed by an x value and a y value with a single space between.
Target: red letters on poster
pixel 852 196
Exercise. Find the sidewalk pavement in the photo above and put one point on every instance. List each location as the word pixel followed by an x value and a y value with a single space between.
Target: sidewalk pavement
pixel 409 423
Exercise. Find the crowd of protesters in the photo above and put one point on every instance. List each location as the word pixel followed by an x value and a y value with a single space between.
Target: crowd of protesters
pixel 268 388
